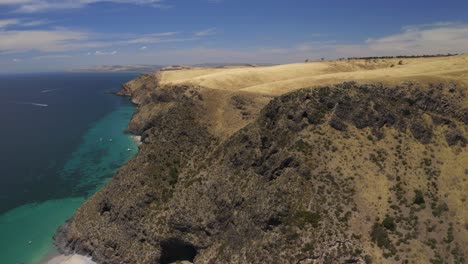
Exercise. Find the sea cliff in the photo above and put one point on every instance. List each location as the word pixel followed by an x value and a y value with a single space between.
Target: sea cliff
pixel 348 173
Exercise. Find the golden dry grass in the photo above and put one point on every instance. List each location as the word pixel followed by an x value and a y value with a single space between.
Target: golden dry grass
pixel 277 80
pixel 259 84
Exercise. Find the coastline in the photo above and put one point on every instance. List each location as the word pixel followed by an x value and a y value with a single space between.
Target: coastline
pixel 58 255
pixel 174 210
pixel 73 166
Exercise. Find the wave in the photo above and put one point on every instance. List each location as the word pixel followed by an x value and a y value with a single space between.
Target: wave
pixel 30 103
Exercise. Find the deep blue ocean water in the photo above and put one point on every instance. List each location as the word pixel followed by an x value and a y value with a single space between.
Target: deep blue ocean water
pixel 61 138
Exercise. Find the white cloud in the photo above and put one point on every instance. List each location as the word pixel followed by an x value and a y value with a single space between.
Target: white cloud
pixel 34 23
pixel 59 40
pixel 152 38
pixel 423 39
pixel 16 60
pixel 104 53
pixel 4 23
pixel 427 39
pixel 436 38
pixel 8 22
pixel 413 40
pixel 40 40
pixel 206 32
pixel 32 6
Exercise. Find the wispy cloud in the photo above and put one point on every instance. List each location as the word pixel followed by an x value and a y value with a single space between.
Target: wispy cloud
pixel 34 23
pixel 151 38
pixel 53 56
pixel 4 23
pixel 426 39
pixel 127 48
pixel 61 39
pixel 8 22
pixel 436 38
pixel 206 32
pixel 105 53
pixel 33 6
pixel 13 41
pixel 441 37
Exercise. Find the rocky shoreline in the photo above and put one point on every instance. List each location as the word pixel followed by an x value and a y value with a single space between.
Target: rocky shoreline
pixel 290 183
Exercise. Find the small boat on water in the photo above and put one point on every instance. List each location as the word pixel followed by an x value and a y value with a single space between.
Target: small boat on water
pixel 128 149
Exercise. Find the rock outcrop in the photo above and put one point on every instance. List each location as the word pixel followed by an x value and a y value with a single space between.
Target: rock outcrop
pixel 352 173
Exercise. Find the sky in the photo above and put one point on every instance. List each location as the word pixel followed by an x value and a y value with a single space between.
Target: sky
pixel 56 35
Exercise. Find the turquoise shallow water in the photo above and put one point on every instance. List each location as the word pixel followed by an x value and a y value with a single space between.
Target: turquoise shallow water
pixel 67 173
pixel 95 160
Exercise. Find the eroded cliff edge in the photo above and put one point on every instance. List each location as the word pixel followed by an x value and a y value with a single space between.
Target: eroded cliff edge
pixel 349 173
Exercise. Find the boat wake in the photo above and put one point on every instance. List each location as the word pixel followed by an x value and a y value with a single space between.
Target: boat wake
pixel 30 103
pixel 48 91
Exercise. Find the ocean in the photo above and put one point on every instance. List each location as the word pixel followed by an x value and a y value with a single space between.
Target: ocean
pixel 61 139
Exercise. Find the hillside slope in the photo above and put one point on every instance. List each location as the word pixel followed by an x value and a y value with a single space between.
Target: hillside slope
pixel 230 172
pixel 277 80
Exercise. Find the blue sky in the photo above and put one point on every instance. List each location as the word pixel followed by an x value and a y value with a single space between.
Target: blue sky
pixel 52 35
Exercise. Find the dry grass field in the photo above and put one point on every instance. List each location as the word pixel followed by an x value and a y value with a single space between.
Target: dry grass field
pixel 280 79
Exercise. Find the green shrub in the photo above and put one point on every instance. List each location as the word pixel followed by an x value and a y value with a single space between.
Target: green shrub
pixel 450 236
pixel 437 211
pixel 379 236
pixel 389 223
pixel 418 197
pixel 303 218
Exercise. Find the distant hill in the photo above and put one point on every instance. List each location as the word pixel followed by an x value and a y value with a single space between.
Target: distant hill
pixel 119 68
pixel 142 68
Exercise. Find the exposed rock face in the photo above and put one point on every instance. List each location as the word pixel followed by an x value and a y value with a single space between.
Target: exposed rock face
pixel 344 174
pixel 140 87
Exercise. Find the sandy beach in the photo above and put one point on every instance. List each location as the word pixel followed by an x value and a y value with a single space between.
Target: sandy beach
pixel 72 259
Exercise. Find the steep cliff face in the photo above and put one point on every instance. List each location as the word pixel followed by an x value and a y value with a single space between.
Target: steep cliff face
pixel 139 88
pixel 351 173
